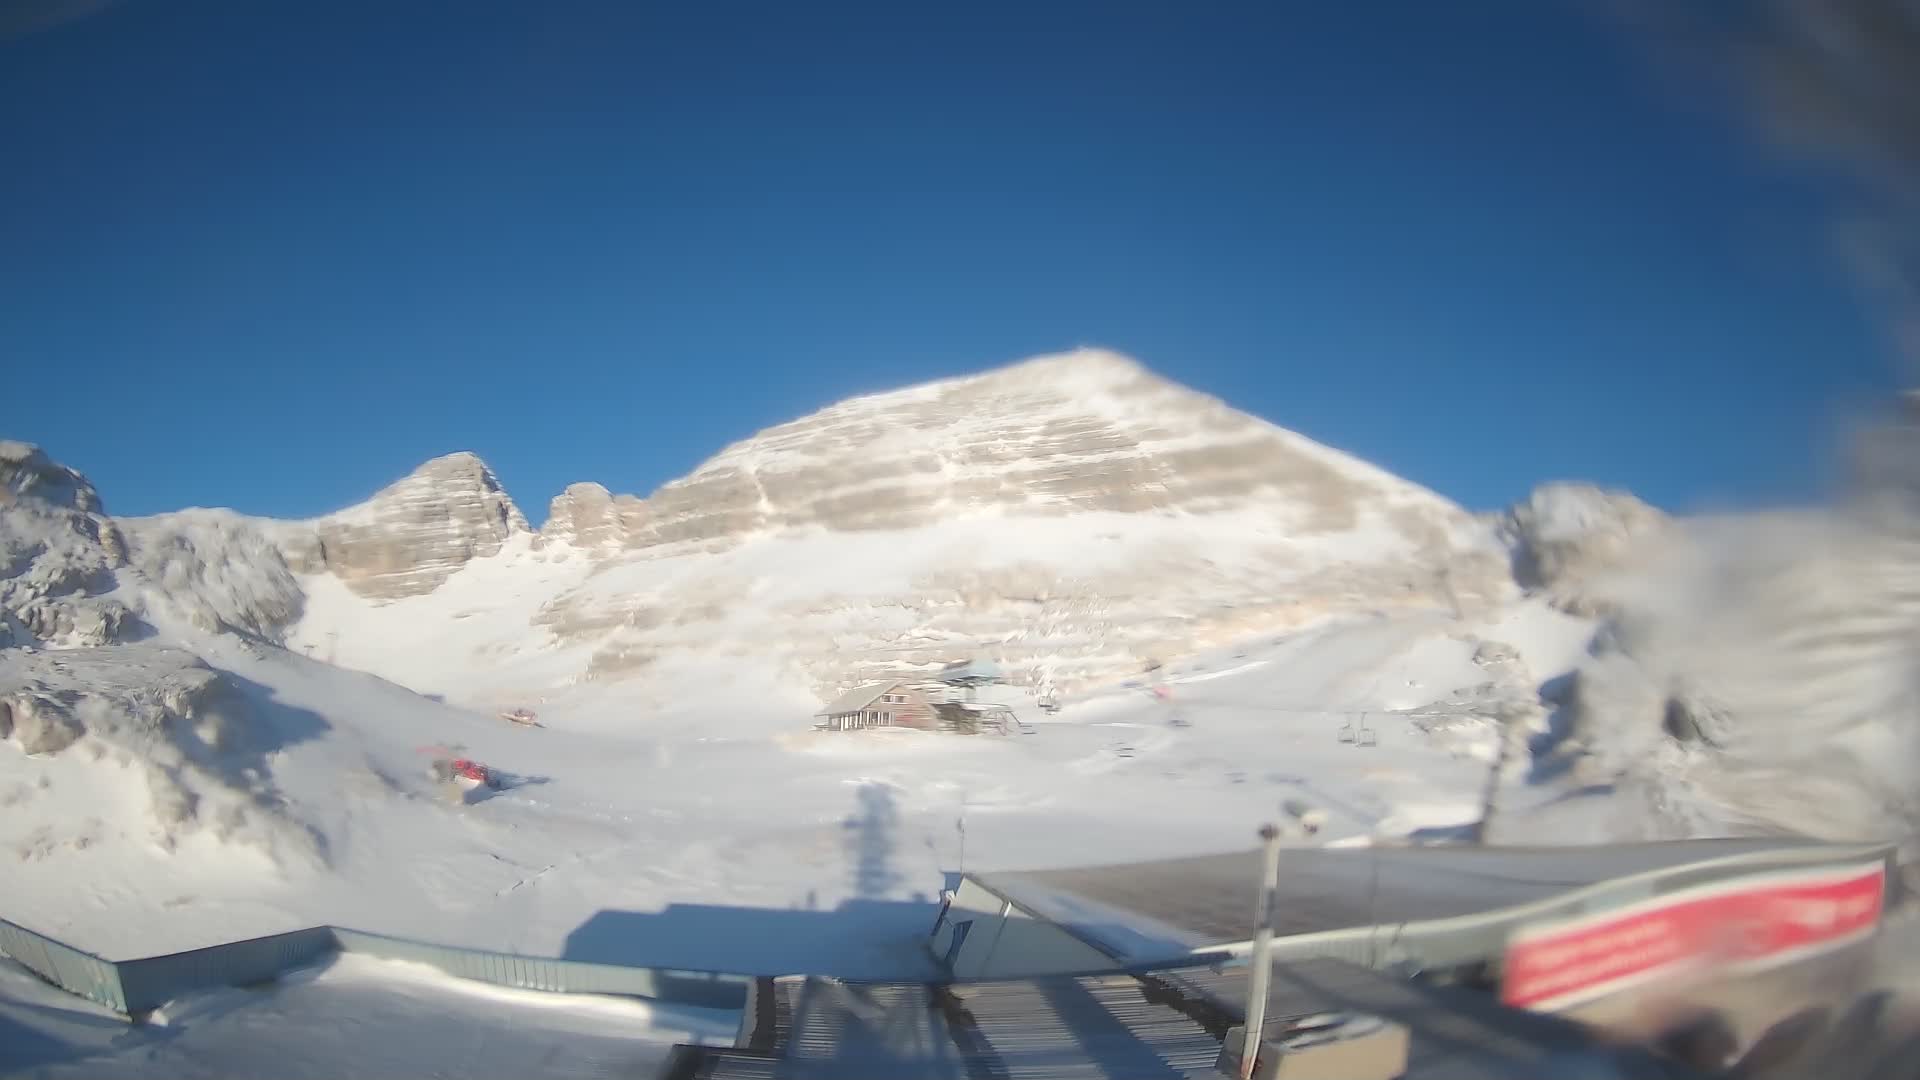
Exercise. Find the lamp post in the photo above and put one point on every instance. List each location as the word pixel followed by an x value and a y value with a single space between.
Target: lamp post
pixel 1307 819
pixel 1262 972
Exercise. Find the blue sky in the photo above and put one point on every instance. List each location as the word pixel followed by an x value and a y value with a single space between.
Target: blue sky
pixel 273 255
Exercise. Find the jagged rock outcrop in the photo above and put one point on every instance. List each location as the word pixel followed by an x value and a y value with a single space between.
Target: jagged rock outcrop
pixel 1567 538
pixel 58 553
pixel 26 471
pixel 416 533
pixel 39 722
pixel 74 621
pixel 589 517
pixel 81 674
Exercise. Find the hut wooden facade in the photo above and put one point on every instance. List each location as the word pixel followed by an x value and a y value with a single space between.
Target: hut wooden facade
pixel 885 704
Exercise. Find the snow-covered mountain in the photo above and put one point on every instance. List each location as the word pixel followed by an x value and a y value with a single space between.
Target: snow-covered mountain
pixel 1073 517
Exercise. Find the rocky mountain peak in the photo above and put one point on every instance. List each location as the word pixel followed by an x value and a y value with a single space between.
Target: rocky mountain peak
pixel 413 534
pixel 1084 367
pixel 1088 430
pixel 27 472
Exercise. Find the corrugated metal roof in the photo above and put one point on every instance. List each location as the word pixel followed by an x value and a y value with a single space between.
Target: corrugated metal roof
pixel 1084 1027
pixel 1059 1027
pixel 1166 1026
pixel 857 698
pixel 875 1023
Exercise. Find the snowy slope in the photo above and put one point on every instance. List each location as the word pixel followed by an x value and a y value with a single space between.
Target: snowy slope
pixel 660 844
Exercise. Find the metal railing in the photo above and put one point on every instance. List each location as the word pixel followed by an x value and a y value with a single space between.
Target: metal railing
pixel 1482 937
pixel 1467 939
pixel 708 989
pixel 132 987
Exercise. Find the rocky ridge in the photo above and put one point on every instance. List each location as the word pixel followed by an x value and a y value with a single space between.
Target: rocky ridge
pixel 1088 431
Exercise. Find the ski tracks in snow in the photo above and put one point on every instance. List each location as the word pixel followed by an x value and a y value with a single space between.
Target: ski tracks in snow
pixel 1121 752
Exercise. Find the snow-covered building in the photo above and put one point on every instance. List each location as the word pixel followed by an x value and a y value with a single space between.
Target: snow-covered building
pixel 898 703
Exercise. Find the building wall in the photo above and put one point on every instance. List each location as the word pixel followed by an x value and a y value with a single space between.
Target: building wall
pixel 911 708
pixel 901 706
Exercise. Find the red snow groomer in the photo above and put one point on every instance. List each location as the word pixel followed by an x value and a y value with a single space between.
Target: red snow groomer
pixel 472 774
pixel 465 773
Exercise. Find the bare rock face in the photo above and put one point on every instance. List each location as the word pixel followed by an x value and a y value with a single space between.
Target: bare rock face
pixel 413 535
pixel 27 472
pixel 39 722
pixel 1567 537
pixel 70 622
pixel 589 517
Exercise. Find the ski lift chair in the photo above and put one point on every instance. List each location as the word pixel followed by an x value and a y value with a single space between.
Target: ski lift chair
pixel 1345 734
pixel 1366 736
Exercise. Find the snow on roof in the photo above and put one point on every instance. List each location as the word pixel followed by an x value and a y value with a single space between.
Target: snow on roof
pixel 857 699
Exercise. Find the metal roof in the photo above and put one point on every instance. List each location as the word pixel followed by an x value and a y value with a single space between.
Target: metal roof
pixel 970 671
pixel 858 698
pixel 1103 1026
pixel 1086 1027
pixel 1165 1025
pixel 1156 910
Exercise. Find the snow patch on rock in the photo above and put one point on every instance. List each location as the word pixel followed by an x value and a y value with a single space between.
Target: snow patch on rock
pixel 1569 539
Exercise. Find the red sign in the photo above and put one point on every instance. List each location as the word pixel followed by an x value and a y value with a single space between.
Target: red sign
pixel 1755 921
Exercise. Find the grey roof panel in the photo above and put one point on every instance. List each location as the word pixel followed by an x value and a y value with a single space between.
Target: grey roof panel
pixel 1181 904
pixel 1167 1025
pixel 1092 1027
